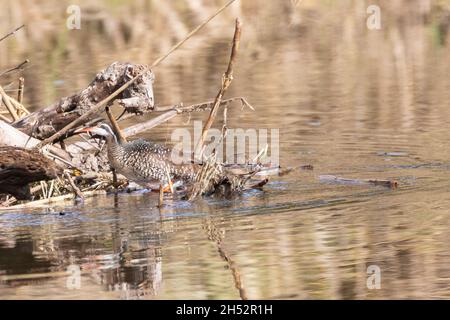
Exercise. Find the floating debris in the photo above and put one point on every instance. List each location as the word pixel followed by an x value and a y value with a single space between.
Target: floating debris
pixel 392 154
pixel 339 180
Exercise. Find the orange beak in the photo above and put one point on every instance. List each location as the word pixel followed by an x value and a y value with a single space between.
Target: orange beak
pixel 83 130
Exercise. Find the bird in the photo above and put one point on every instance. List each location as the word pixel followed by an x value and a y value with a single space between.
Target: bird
pixel 19 167
pixel 147 163
pixel 142 161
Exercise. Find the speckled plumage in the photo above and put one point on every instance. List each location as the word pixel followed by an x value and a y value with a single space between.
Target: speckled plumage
pixel 147 163
pixel 143 161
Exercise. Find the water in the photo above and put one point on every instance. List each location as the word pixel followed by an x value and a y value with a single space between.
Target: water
pixel 351 102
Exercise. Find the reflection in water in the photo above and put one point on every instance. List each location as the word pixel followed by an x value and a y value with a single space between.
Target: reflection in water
pixel 349 101
pixel 117 261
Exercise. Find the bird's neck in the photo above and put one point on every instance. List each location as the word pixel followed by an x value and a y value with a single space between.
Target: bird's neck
pixel 111 140
pixel 114 147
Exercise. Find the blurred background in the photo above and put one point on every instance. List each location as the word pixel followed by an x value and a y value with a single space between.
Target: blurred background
pixel 348 100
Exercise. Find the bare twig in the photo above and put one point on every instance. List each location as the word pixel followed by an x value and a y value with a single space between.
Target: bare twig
pixel 2 117
pixel 8 105
pixel 12 32
pixel 20 92
pixel 226 81
pixel 115 126
pixel 18 106
pixel 179 44
pixel 9 201
pixel 18 67
pixel 171 112
pixel 52 186
pixel 75 189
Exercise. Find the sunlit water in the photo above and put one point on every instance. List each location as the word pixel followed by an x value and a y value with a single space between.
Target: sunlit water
pixel 367 108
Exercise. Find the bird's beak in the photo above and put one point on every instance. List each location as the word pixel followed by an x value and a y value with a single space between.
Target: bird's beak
pixel 83 130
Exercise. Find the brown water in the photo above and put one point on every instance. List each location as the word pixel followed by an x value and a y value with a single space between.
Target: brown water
pixel 351 102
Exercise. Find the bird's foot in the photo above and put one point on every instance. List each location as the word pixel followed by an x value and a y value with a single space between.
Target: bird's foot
pixel 168 188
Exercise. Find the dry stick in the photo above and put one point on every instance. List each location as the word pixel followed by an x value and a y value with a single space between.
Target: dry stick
pixel 19 106
pixel 20 93
pixel 179 44
pixel 19 67
pixel 8 105
pixel 8 202
pixel 140 127
pixel 98 107
pixel 172 112
pixel 2 117
pixel 12 32
pixel 226 81
pixel 73 185
pixel 115 126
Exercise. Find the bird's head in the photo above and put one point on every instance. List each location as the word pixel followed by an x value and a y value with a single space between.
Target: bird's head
pixel 102 130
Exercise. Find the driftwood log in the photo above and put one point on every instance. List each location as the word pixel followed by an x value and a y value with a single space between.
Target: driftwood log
pixel 376 182
pixel 9 136
pixel 19 167
pixel 137 98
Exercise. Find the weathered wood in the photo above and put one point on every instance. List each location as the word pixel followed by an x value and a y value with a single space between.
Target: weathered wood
pixel 9 136
pixel 137 98
pixel 19 167
pixel 8 105
pixel 57 199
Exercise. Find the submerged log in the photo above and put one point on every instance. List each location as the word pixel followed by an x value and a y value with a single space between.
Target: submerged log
pixel 339 180
pixel 19 167
pixel 137 98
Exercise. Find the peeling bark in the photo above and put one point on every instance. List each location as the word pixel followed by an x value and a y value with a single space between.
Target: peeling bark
pixel 12 137
pixel 19 167
pixel 138 98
